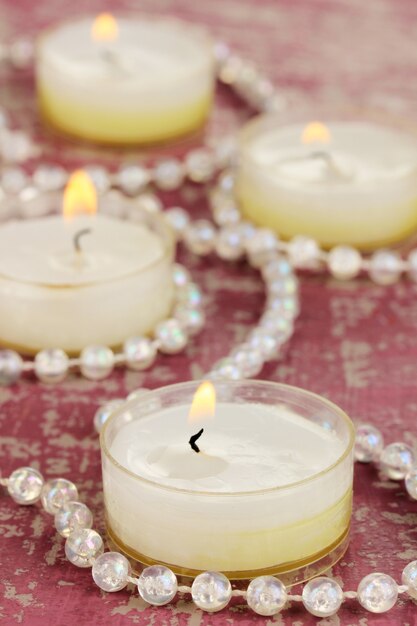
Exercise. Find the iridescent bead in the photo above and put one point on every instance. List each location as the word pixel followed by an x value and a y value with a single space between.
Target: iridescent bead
pixel 281 327
pixel 412 265
pixel 226 181
pixel 83 546
pixel 377 592
pixel 51 365
pixel 56 493
pixel 177 218
pixel 385 267
pixel 227 368
pixel 199 165
pixel 157 585
pixel 171 336
pixel 344 262
pixel 99 176
pixel 368 443
pixel 211 591
pixel 411 483
pixel 21 53
pixel 248 360
pixel 103 413
pixel 72 516
pixel 396 460
pixel 260 247
pixel 190 295
pixel 276 269
pixel 11 366
pixel 169 174
pixel 409 578
pixel 110 571
pixel 224 209
pixel 229 243
pixel 96 362
pixel 266 595
pixel 304 252
pixel 13 180
pixel 283 286
pixel 132 179
pixel 49 177
pixel 284 306
pixel 265 342
pixel 180 275
pixel 322 596
pixel 199 237
pixel 25 485
pixel 140 353
pixel 192 320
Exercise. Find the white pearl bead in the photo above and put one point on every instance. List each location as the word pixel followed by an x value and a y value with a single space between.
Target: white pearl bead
pixel 411 483
pixel 140 353
pixel 409 578
pixel 169 174
pixel 249 360
pixel 190 295
pixel 103 413
pixel 13 180
pixel 25 485
pixel 385 267
pixel 229 243
pixel 412 262
pixel 396 460
pixel 199 165
pixel 227 368
pixel 211 591
pixel 284 306
pixel 72 516
pixel 83 546
pixel 97 362
pixel 171 336
pixel 199 237
pixel 224 208
pixel 99 176
pixel 49 177
pixel 110 571
pixel 225 151
pixel 344 262
pixel 266 595
pixel 51 365
pixel 226 181
pixel 304 252
pixel 11 366
pixel 180 275
pixel 377 592
pixel 56 493
pixel 265 342
pixel 148 202
pixel 276 269
pixel 322 596
pixel 369 443
pixel 283 286
pixel 177 218
pixel 157 585
pixel 192 320
pixel 260 247
pixel 132 179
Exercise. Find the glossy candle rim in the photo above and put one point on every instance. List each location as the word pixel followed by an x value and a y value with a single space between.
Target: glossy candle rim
pixel 263 122
pixel 231 384
pixel 153 221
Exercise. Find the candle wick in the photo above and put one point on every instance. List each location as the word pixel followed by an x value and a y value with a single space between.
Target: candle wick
pixel 193 440
pixel 77 237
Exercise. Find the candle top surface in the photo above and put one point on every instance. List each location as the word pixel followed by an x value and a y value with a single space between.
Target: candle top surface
pixel 41 251
pixel 357 153
pixel 144 51
pixel 245 448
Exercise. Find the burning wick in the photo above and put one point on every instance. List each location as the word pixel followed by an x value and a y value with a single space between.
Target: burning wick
pixel 77 237
pixel 193 440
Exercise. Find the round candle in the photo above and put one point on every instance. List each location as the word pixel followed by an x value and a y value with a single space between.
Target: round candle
pixel 119 283
pixel 348 182
pixel 269 490
pixel 134 80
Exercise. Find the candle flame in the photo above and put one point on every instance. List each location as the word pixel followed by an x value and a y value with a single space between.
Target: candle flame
pixel 104 28
pixel 316 132
pixel 80 196
pixel 204 403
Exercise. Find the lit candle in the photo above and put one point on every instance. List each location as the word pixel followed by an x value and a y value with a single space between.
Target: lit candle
pixel 137 80
pixel 90 281
pixel 346 183
pixel 264 486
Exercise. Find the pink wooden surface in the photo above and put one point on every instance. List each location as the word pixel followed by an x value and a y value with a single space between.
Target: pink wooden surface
pixel 355 343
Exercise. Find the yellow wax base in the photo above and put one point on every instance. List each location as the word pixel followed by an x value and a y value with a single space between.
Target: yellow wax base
pixel 120 127
pixel 286 221
pixel 301 550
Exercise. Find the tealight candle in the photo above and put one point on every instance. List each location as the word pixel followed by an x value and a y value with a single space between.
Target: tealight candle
pixel 264 486
pixel 350 182
pixel 94 280
pixel 137 80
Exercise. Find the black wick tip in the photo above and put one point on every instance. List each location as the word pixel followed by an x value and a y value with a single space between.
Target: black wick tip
pixel 193 440
pixel 77 237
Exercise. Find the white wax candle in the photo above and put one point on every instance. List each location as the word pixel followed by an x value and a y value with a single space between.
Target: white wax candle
pixel 118 285
pixel 360 188
pixel 154 81
pixel 258 495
